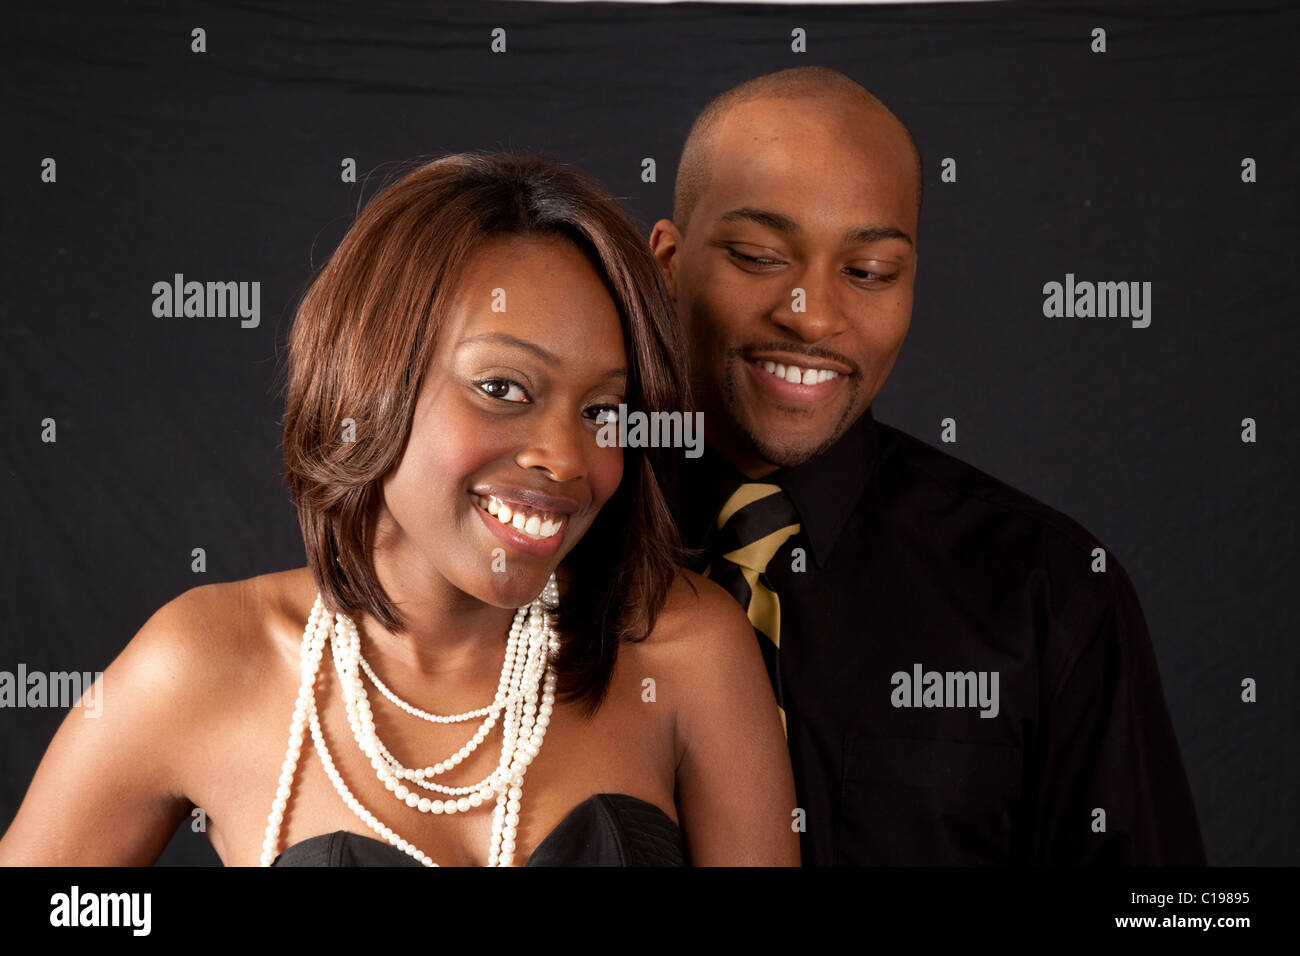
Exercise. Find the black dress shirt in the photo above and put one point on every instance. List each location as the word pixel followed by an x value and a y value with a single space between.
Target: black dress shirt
pixel 916 562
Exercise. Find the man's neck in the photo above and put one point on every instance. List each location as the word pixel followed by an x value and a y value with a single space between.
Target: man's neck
pixel 740 457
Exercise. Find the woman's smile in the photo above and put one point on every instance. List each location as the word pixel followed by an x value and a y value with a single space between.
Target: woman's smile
pixel 535 524
pixel 522 531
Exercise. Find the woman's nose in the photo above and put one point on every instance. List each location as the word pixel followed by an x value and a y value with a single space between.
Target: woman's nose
pixel 557 446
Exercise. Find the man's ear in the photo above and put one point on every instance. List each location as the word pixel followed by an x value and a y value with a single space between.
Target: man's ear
pixel 665 241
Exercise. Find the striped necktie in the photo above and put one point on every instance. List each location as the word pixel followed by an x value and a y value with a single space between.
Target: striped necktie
pixel 751 527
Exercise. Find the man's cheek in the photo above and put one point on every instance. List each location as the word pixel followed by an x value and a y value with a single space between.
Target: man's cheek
pixel 714 331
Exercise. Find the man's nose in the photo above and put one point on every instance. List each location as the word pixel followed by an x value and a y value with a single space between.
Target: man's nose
pixel 810 309
pixel 557 444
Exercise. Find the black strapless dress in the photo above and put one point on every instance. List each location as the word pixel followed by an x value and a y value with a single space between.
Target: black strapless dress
pixel 608 829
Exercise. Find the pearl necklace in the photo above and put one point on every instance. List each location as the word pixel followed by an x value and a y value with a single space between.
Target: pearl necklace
pixel 524 727
pixel 360 717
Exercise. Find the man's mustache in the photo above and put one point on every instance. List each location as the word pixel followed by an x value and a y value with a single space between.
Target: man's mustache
pixel 812 352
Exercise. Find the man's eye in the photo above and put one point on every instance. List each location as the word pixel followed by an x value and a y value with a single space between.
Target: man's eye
pixel 503 389
pixel 755 260
pixel 872 277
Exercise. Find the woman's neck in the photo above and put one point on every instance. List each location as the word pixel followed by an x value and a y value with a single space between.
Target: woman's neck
pixel 447 631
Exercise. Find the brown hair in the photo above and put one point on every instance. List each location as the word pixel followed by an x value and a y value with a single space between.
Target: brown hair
pixel 364 335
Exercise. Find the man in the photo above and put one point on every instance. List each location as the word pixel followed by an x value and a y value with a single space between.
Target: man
pixel 965 675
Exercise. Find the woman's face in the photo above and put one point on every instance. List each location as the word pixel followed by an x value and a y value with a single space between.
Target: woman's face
pixel 529 364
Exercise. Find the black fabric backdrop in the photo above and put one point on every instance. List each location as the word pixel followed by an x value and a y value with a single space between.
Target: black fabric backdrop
pixel 225 165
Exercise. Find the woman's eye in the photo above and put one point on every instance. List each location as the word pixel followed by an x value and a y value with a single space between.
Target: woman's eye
pixel 606 415
pixel 503 389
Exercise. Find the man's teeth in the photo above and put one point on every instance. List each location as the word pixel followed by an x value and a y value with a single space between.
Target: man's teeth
pixel 799 376
pixel 534 524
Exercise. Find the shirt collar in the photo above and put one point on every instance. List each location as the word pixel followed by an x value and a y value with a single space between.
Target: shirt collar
pixel 825 490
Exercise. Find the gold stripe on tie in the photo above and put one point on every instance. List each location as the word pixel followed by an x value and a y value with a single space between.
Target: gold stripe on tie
pixel 764 613
pixel 764 610
pixel 745 495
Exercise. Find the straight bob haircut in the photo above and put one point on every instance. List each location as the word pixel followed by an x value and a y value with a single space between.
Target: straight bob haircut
pixel 364 334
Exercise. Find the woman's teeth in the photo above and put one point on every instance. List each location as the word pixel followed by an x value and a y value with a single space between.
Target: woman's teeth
pixel 534 524
pixel 797 375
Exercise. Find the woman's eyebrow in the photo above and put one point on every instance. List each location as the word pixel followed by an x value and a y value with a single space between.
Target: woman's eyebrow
pixel 505 339
pixel 533 347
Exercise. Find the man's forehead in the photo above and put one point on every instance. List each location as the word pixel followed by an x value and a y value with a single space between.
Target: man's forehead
pixel 810 161
pixel 807 198
pixel 810 122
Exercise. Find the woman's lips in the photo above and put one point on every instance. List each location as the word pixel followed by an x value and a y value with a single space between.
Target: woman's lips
pixel 530 521
pixel 523 528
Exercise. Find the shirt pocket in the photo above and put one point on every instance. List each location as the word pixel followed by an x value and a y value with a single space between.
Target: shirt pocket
pixel 927 801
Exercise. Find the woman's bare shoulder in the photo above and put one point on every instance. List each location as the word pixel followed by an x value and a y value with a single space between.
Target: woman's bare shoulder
pixel 218 638
pixel 166 708
pixel 726 730
pixel 700 622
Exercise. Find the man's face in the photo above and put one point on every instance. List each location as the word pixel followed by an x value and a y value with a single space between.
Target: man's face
pixel 798 262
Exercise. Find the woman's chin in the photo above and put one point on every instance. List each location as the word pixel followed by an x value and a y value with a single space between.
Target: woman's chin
pixel 511 591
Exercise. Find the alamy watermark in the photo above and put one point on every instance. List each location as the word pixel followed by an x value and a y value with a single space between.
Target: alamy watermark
pixel 654 430
pixel 922 688
pixel 208 300
pixel 61 689
pixel 75 908
pixel 1084 300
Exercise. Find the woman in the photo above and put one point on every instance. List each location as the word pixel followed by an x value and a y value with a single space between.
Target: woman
pixel 448 373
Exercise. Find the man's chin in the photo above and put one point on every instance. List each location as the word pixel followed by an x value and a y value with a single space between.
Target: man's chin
pixel 785 431
pixel 782 448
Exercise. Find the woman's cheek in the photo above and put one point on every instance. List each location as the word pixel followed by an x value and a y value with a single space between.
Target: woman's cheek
pixel 466 440
pixel 606 474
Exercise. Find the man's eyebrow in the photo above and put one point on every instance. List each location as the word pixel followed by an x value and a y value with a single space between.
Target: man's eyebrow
pixel 764 217
pixel 784 224
pixel 537 350
pixel 875 234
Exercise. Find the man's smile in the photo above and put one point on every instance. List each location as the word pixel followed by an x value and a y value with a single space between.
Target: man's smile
pixel 810 383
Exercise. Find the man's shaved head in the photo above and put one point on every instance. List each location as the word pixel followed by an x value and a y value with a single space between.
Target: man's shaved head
pixel 794 281
pixel 801 82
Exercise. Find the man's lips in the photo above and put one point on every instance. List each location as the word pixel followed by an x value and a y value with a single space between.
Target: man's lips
pixel 802 381
pixel 790 360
